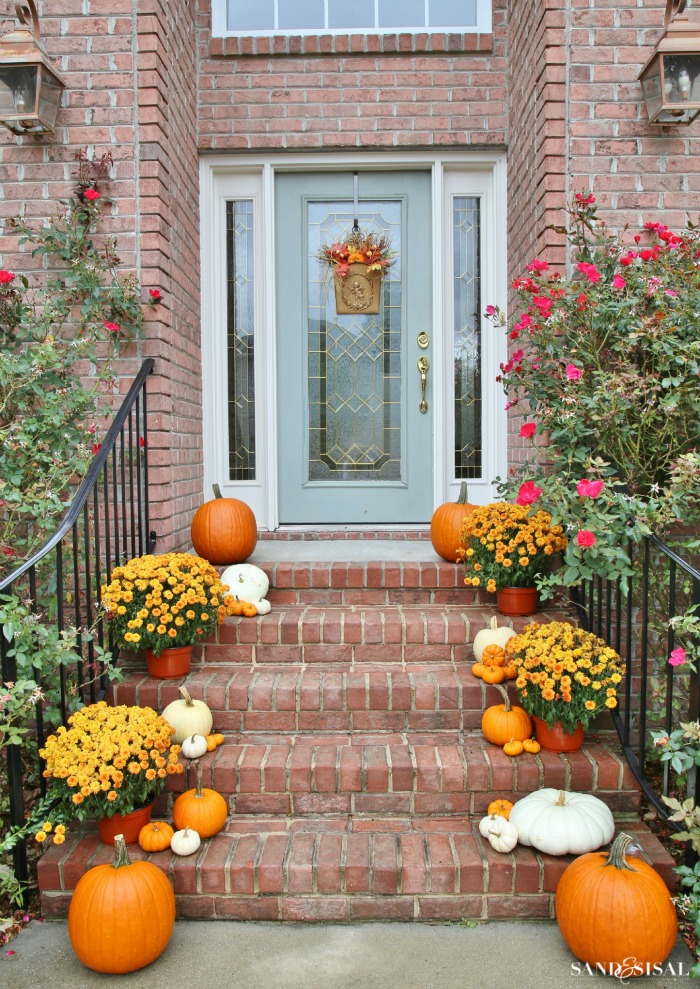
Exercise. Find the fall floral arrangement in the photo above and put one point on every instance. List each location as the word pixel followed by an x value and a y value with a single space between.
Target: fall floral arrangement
pixel 506 545
pixel 159 602
pixel 564 673
pixel 108 760
pixel 358 248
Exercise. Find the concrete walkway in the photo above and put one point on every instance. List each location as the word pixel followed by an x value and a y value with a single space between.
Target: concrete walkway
pixel 251 955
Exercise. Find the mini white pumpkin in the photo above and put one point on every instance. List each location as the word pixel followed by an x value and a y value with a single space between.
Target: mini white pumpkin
pixel 495 633
pixel 246 582
pixel 188 717
pixel 263 606
pixel 488 822
pixel 502 836
pixel 559 822
pixel 185 842
pixel 194 746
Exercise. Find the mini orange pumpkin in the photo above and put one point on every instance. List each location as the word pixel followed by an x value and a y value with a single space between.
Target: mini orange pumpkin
pixel 510 670
pixel 478 670
pixel 493 674
pixel 502 722
pixel 155 836
pixel 501 807
pixel 219 738
pixel 531 745
pixel 493 655
pixel 248 610
pixel 514 747
pixel 211 743
pixel 202 810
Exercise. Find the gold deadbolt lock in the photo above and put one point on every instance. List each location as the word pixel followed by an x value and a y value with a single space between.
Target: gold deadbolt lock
pixel 423 340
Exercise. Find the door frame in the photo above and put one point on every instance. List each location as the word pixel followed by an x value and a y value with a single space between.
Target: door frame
pixel 223 177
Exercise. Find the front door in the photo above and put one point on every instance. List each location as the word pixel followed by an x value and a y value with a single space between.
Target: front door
pixel 354 422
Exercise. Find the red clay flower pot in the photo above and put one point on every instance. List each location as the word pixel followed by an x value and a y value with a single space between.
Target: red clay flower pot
pixel 171 664
pixel 555 739
pixel 127 824
pixel 518 600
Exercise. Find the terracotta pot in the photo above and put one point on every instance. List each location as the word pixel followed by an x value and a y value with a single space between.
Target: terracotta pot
pixel 127 824
pixel 171 664
pixel 518 600
pixel 359 291
pixel 555 739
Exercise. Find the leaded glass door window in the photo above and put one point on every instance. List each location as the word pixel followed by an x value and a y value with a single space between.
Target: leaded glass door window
pixel 353 445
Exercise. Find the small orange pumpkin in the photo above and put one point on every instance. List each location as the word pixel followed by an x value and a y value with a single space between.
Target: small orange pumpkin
pixel 500 807
pixel 202 810
pixel 493 674
pixel 211 744
pixel 446 523
pixel 219 738
pixel 478 670
pixel 248 609
pixel 224 530
pixel 155 836
pixel 493 655
pixel 502 722
pixel 513 748
pixel 531 745
pixel 510 670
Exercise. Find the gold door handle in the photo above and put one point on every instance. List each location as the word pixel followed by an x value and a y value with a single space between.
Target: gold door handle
pixel 423 367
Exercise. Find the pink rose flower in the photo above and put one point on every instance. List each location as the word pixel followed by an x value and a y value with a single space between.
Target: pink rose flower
pixel 155 294
pixel 528 493
pixel 491 310
pixel 589 489
pixel 91 194
pixel 677 657
pixel 112 327
pixel 585 200
pixel 619 282
pixel 537 265
pixel 573 373
pixel 585 538
pixel 6 276
pixel 527 430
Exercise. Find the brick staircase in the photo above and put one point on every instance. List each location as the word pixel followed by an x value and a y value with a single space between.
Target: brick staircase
pixel 354 765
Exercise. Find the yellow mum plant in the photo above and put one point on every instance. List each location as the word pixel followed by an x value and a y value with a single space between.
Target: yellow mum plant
pixel 108 760
pixel 506 545
pixel 564 673
pixel 158 602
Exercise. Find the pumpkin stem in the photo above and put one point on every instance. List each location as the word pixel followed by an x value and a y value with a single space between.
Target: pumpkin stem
pixel 561 799
pixel 462 496
pixel 494 623
pixel 217 491
pixel 121 852
pixel 506 699
pixel 198 785
pixel 616 855
pixel 186 696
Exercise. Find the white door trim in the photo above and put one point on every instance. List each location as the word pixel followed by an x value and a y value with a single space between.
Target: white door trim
pixel 252 177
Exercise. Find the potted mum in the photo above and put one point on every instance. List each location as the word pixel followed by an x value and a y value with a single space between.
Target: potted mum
pixel 164 605
pixel 505 548
pixel 109 764
pixel 565 677
pixel 357 266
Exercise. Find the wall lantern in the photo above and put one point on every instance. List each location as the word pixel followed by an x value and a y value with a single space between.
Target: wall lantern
pixel 671 78
pixel 30 87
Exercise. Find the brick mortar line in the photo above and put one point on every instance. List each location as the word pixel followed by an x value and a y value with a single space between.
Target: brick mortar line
pixel 428 865
pixel 438 762
pixel 285 863
pixel 455 863
pixel 227 864
pixel 263 767
pixel 199 862
pixel 478 841
pixel 315 855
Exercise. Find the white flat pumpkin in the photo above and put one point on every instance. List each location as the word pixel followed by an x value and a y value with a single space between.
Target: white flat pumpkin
pixel 246 582
pixel 559 822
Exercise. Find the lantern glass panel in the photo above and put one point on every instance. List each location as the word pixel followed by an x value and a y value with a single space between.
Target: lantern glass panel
pixel 18 85
pixel 681 75
pixel 652 87
pixel 49 98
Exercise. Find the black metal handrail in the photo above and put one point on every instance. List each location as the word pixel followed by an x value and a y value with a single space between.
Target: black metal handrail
pixel 106 523
pixel 635 622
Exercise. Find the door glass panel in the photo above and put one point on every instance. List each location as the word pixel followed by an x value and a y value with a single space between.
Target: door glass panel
pixel 240 337
pixel 354 362
pixel 466 279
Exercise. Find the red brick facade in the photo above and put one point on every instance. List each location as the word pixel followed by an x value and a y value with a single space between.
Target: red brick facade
pixel 554 84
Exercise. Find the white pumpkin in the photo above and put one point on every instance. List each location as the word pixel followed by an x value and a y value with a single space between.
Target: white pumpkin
pixel 263 606
pixel 502 836
pixel 185 842
pixel 246 582
pixel 194 746
pixel 188 717
pixel 488 822
pixel 559 822
pixel 495 633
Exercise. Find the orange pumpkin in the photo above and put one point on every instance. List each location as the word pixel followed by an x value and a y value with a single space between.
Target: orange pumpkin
pixel 478 670
pixel 219 738
pixel 249 609
pixel 493 674
pixel 446 523
pixel 514 747
pixel 531 745
pixel 511 671
pixel 121 916
pixel 155 836
pixel 500 807
pixel 224 530
pixel 611 908
pixel 493 655
pixel 502 722
pixel 200 809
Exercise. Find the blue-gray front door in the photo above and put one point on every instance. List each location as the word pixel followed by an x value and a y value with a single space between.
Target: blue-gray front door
pixel 355 443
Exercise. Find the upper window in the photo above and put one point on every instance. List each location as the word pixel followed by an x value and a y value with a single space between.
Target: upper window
pixel 249 17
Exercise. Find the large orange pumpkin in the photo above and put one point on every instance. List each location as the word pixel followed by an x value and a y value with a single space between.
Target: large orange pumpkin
pixel 121 916
pixel 201 809
pixel 503 722
pixel 224 530
pixel 614 910
pixel 446 523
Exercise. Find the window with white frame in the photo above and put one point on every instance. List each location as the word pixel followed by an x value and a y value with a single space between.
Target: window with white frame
pixel 250 17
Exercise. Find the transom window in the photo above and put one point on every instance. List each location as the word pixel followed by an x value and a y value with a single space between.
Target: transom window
pixel 249 17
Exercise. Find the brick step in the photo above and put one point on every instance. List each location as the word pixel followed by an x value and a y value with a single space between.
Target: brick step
pixel 342 869
pixel 354 634
pixel 389 776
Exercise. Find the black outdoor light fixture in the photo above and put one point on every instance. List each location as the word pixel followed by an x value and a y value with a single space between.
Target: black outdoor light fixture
pixel 671 78
pixel 30 87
